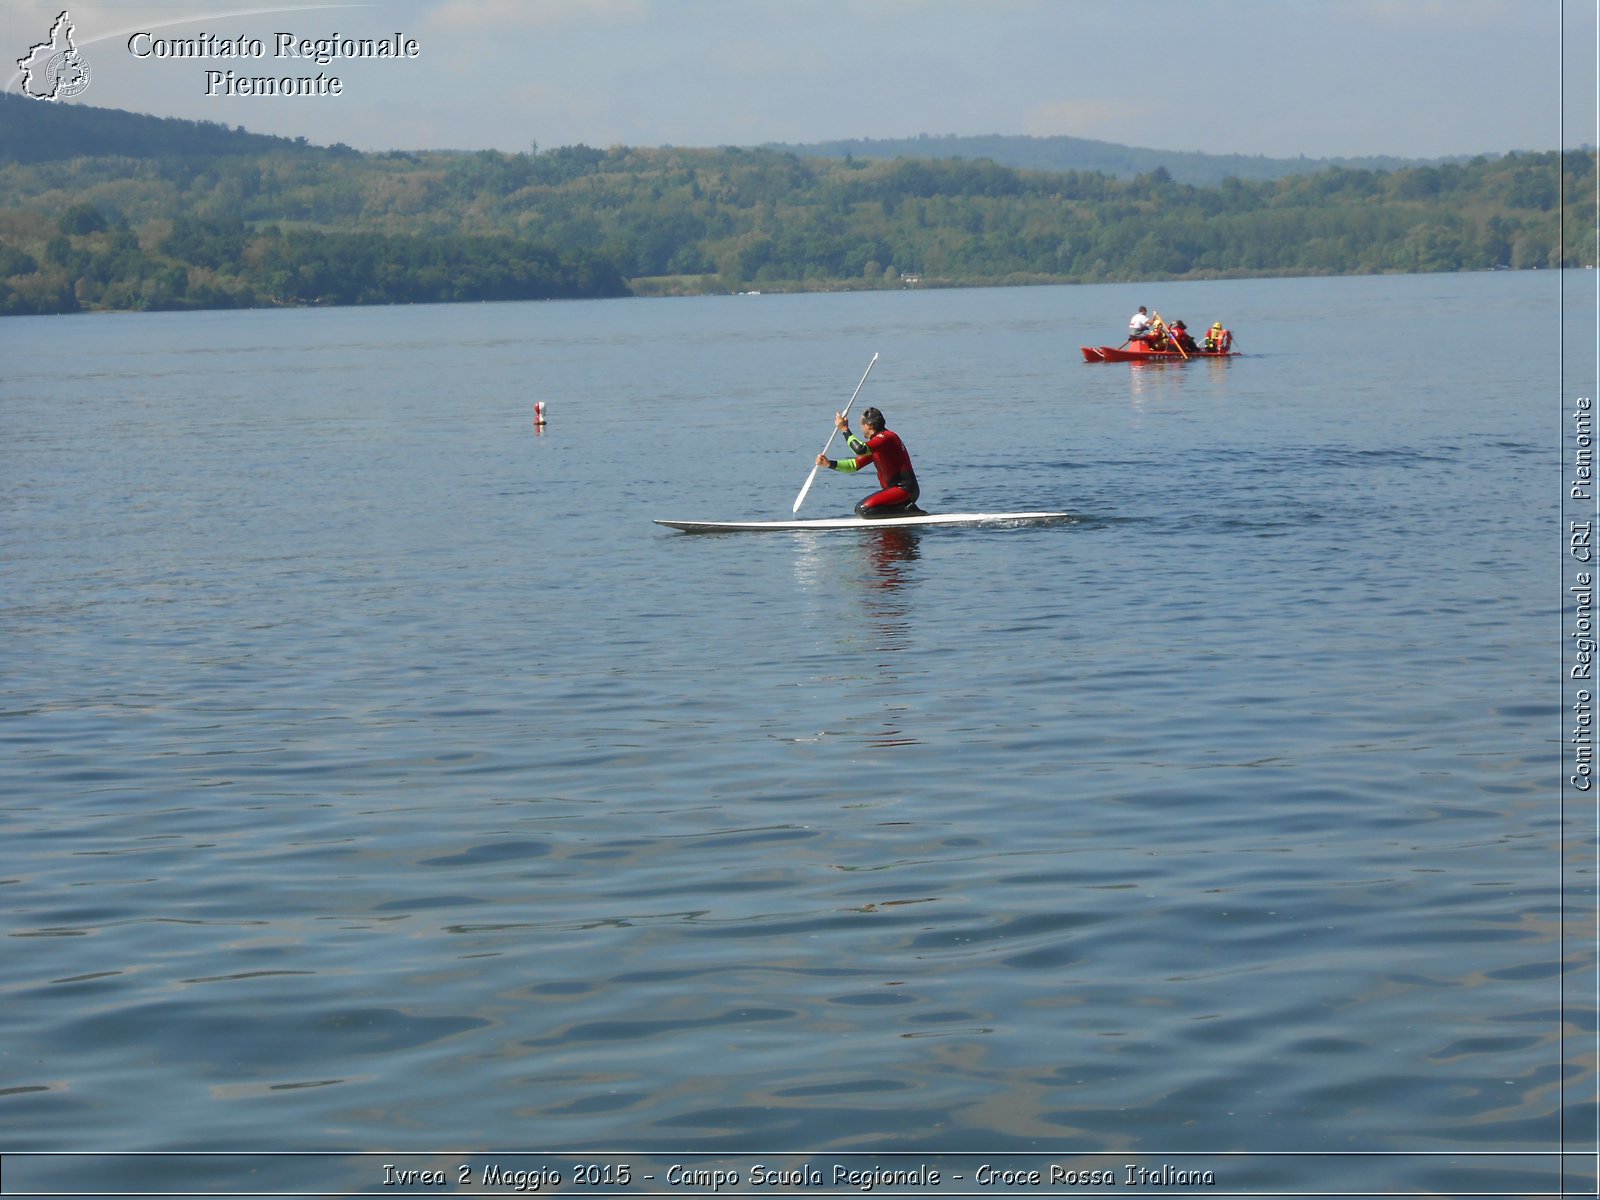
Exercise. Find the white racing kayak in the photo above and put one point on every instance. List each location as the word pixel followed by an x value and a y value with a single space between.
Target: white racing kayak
pixel 823 523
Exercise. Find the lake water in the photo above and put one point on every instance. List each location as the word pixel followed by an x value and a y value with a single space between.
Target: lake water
pixel 383 789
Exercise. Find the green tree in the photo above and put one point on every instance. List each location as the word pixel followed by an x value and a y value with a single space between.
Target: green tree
pixel 82 218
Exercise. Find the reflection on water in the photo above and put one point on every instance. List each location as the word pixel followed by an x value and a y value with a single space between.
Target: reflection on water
pixel 1148 381
pixel 891 549
pixel 879 565
pixel 881 558
pixel 890 554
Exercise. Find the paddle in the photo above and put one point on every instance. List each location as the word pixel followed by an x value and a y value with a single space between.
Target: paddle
pixel 801 498
pixel 1172 336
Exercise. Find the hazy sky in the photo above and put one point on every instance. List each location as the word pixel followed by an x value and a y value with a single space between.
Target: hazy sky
pixel 1417 78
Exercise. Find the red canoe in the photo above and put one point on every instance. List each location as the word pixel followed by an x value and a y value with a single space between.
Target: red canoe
pixel 1134 352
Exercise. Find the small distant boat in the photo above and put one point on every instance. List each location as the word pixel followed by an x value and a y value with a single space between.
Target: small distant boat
pixel 1136 352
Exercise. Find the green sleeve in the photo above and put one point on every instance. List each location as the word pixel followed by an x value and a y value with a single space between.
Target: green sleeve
pixel 856 444
pixel 846 464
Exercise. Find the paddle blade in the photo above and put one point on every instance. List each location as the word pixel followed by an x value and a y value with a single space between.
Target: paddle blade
pixel 801 498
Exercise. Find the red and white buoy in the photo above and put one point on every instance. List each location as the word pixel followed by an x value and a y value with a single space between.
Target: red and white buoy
pixel 538 412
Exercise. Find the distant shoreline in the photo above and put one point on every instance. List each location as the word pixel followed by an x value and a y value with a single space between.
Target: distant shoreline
pixel 110 210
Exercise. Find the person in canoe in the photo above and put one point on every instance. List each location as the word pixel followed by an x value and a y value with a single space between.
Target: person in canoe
pixel 1217 338
pixel 1156 336
pixel 1180 335
pixel 1139 325
pixel 897 483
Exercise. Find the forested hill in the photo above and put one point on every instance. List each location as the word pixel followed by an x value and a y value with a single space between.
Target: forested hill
pixel 108 210
pixel 1085 154
pixel 31 132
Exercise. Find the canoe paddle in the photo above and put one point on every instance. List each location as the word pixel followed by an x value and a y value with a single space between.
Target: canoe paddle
pixel 1172 336
pixel 801 498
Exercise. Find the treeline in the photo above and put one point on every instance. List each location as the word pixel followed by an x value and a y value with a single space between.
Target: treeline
pixel 89 263
pixel 290 224
pixel 1063 153
pixel 34 132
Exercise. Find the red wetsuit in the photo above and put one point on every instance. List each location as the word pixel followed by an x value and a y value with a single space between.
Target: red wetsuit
pixel 896 479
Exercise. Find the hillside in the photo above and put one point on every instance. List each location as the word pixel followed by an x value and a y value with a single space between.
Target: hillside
pixel 108 210
pixel 31 132
pixel 1085 154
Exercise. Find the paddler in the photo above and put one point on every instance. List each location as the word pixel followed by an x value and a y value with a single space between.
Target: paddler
pixel 1139 325
pixel 1217 338
pixel 882 447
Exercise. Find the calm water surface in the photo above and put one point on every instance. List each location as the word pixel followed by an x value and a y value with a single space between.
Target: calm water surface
pixel 377 776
